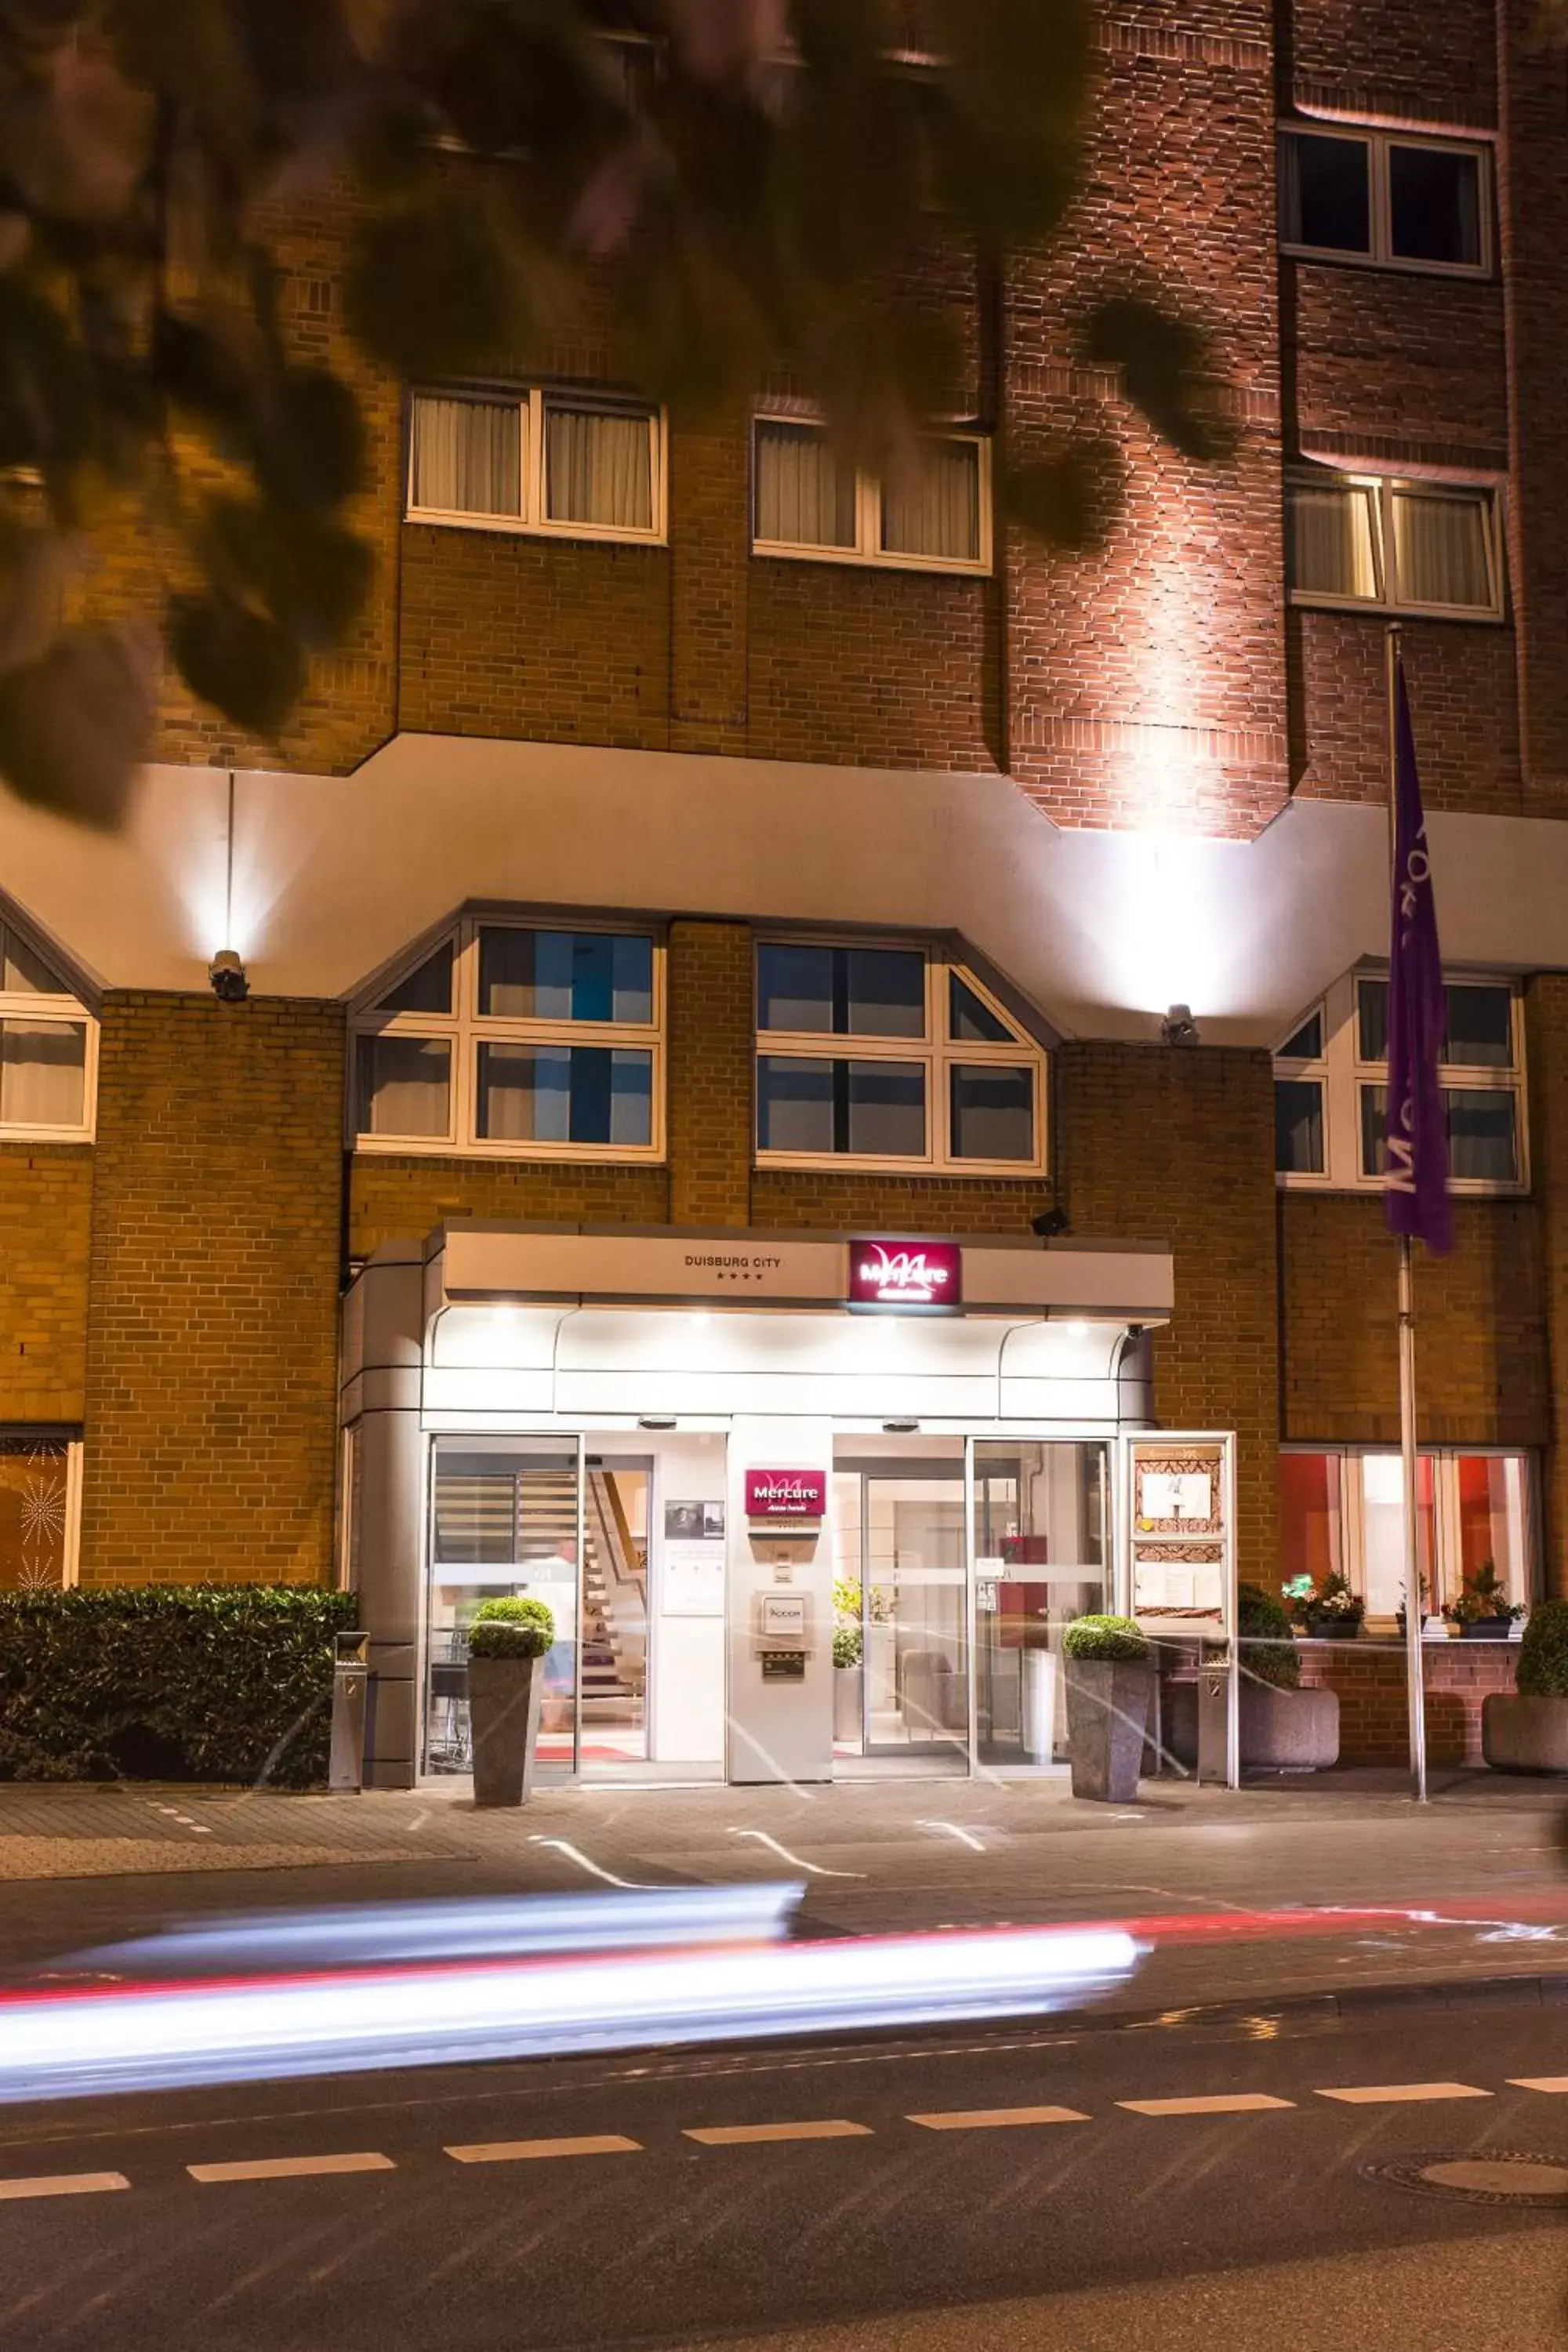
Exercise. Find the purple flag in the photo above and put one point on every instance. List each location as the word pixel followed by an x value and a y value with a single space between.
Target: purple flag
pixel 1415 1163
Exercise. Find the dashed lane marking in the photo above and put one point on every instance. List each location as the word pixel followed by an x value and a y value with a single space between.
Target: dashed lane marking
pixel 995 2118
pixel 292 2168
pixel 1223 2103
pixel 742 2135
pixel 65 2184
pixel 1539 2082
pixel 1391 2095
pixel 521 2151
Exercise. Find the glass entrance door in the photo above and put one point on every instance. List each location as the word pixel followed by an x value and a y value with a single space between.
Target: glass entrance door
pixel 901 1608
pixel 1041 1529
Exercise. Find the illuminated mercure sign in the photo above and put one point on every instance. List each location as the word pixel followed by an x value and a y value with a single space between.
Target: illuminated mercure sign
pixel 906 1274
pixel 786 1494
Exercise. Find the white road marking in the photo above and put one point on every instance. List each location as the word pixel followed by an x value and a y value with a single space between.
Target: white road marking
pixel 817 1869
pixel 1539 2082
pixel 1373 2095
pixel 966 1836
pixel 635 1885
pixel 519 2151
pixel 741 2135
pixel 995 2118
pixel 1221 2103
pixel 291 2167
pixel 64 2184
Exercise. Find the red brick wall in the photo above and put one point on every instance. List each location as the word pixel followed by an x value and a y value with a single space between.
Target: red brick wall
pixel 1463 706
pixel 1408 64
pixel 1375 1703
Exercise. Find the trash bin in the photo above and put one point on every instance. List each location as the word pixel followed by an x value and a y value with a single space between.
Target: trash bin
pixel 351 1691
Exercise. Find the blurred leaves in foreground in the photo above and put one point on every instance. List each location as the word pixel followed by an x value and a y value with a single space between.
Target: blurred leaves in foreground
pixel 738 186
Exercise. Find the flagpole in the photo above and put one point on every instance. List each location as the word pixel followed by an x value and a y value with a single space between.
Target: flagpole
pixel 1415 1608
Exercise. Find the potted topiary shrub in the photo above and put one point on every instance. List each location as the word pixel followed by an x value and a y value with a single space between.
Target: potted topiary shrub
pixel 1110 1683
pixel 1529 1732
pixel 848 1679
pixel 507 1638
pixel 1483 1612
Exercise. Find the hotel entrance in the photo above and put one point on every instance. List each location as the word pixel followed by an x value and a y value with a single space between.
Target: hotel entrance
pixel 901 1608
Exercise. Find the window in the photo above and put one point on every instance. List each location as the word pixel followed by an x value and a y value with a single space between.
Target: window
pixel 1331 1088
pixel 807 501
pixel 47 1047
pixel 518 1040
pixel 1342 1510
pixel 569 463
pixel 1407 547
pixel 1365 195
pixel 893 1056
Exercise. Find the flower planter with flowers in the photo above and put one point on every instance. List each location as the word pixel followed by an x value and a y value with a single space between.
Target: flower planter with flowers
pixel 1328 1611
pixel 1483 1612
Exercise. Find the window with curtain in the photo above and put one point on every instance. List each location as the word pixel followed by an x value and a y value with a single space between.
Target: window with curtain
pixel 1398 546
pixel 1374 196
pixel 1331 1088
pixel 512 1038
pixel 890 1054
pixel 1342 1510
pixel 808 500
pixel 576 465
pixel 48 1042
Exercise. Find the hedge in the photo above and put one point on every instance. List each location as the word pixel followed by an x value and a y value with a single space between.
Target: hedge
pixel 169 1681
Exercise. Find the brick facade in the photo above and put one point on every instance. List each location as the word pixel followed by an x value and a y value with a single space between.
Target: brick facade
pixel 46 1191
pixel 211 1339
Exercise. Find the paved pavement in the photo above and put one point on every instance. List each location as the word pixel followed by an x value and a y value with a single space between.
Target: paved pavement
pixel 1005 2189
pixel 1485 1863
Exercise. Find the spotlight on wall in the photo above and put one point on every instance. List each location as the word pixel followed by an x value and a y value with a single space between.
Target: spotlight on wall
pixel 1049 1224
pixel 901 1428
pixel 655 1421
pixel 1178 1027
pixel 230 981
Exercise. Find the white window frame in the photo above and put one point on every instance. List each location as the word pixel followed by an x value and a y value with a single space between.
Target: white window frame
pixel 63 1005
pixel 1341 1073
pixel 868 551
pixel 468 1029
pixel 1380 208
pixel 936 1053
pixel 1384 488
pixel 1445 1536
pixel 535 522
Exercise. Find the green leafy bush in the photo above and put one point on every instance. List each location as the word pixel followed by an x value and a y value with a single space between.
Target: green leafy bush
pixel 169 1681
pixel 508 1627
pixel 1544 1653
pixel 1111 1638
pixel 846 1644
pixel 1268 1651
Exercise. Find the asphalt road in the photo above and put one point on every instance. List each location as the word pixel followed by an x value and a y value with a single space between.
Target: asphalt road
pixel 1005 2189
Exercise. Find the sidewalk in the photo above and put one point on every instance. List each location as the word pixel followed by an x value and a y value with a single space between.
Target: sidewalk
pixel 1485 1861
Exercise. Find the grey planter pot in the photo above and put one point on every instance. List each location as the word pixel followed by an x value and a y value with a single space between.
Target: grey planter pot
pixel 504 1696
pixel 1524 1735
pixel 1281 1730
pixel 847 1685
pixel 1107 1717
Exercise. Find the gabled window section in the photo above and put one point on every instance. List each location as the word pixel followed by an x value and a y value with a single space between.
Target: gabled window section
pixel 1331 1088
pixel 561 462
pixel 516 1041
pixel 890 1057
pixel 808 500
pixel 49 1048
pixel 1371 541
pixel 1374 196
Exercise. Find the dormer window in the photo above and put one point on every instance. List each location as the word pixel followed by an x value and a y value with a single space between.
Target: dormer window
pixel 48 1044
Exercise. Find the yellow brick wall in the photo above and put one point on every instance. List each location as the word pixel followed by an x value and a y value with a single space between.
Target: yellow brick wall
pixel 211 1343
pixel 46 1191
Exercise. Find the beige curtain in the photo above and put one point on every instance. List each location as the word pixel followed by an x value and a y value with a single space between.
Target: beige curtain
pixel 936 513
pixel 405 1086
pixel 466 457
pixel 1332 549
pixel 804 491
pixel 599 469
pixel 1440 549
pixel 43 1067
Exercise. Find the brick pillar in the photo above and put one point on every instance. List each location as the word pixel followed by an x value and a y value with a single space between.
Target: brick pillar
pixel 211 1343
pixel 710 560
pixel 1176 1144
pixel 1546 1050
pixel 712 1041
